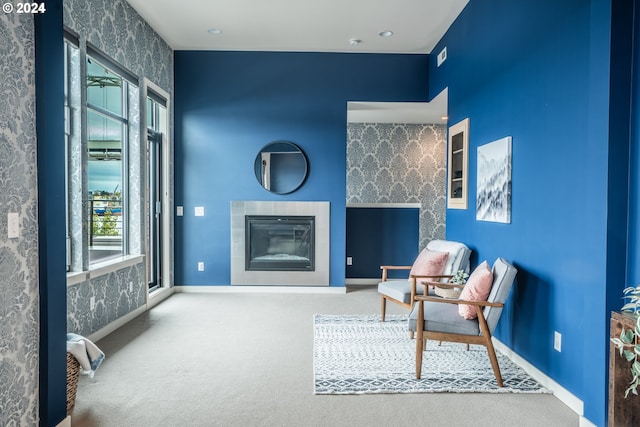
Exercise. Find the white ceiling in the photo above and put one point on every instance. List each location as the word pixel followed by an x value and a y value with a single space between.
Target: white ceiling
pixel 301 25
pixel 312 26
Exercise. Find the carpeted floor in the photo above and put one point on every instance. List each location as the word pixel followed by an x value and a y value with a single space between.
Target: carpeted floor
pixel 247 360
pixel 356 354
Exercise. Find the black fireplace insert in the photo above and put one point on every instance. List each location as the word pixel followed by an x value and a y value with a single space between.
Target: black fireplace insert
pixel 279 243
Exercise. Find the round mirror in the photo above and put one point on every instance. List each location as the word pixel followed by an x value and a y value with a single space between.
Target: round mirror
pixel 281 167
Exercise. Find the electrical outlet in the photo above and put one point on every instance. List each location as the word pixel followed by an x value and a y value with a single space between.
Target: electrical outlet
pixel 92 303
pixel 557 341
pixel 199 210
pixel 201 266
pixel 130 286
pixel 349 260
pixel 179 210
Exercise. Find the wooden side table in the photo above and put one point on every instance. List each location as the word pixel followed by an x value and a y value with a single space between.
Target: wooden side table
pixel 622 412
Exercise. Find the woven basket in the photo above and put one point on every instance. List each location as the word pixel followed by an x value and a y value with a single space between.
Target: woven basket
pixel 451 293
pixel 73 372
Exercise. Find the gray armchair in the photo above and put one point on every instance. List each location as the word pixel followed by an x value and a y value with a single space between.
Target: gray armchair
pixel 403 291
pixel 438 319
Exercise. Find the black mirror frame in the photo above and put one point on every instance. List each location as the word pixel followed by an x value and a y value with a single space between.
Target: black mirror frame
pixel 257 166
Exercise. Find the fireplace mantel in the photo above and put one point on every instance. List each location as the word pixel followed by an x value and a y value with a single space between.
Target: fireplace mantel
pixel 240 275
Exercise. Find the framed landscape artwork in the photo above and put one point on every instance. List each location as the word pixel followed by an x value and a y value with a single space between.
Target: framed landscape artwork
pixel 493 200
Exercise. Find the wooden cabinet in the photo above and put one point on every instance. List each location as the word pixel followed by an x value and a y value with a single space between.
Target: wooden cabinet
pixel 622 412
pixel 458 168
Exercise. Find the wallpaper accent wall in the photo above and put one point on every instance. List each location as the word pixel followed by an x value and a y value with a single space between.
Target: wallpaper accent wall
pixel 400 163
pixel 112 296
pixel 19 294
pixel 116 29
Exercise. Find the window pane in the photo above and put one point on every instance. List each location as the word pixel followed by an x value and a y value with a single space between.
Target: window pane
pixel 104 137
pixel 104 173
pixel 150 114
pixel 104 88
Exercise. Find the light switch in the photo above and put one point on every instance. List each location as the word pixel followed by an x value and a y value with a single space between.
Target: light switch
pixel 13 225
pixel 199 210
pixel 179 211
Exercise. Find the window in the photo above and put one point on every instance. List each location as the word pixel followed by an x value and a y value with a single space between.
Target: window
pixel 155 186
pixel 103 178
pixel 107 124
pixel 73 182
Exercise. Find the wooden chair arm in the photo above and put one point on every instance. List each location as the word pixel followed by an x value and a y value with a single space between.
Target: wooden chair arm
pixel 427 283
pixel 420 276
pixel 457 301
pixel 384 269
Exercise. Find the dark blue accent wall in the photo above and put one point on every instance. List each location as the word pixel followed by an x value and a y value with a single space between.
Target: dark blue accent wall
pixel 634 156
pixel 381 236
pixel 545 73
pixel 228 105
pixel 51 214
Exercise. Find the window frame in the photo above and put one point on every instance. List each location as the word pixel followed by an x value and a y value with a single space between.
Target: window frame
pixel 124 121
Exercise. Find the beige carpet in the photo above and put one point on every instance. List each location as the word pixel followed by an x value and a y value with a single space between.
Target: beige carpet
pixel 246 360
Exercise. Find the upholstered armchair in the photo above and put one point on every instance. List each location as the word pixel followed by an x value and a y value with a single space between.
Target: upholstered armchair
pixel 469 319
pixel 438 261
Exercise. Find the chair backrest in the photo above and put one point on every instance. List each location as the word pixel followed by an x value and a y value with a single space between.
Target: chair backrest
pixel 503 276
pixel 458 258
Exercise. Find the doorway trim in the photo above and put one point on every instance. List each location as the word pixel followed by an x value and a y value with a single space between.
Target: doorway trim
pixel 166 288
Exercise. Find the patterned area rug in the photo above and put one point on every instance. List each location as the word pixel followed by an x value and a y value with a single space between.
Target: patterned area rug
pixel 359 354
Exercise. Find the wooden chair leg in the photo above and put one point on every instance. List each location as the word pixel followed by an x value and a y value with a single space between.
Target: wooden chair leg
pixel 411 335
pixel 494 363
pixel 420 342
pixel 384 307
pixel 419 346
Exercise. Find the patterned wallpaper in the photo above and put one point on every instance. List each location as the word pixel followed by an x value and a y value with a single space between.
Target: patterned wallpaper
pixel 400 163
pixel 113 299
pixel 19 295
pixel 116 29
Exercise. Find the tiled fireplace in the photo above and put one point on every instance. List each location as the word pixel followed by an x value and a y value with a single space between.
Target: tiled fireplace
pixel 280 243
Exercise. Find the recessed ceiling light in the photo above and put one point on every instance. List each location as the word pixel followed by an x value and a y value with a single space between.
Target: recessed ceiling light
pixel 385 33
pixel 355 42
pixel 214 31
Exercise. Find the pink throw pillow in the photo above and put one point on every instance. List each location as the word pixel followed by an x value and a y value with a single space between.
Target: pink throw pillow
pixel 429 263
pixel 477 289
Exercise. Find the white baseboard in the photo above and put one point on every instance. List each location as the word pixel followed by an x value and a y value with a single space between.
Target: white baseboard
pixel 242 289
pixel 362 282
pixel 101 333
pixel 66 422
pixel 565 396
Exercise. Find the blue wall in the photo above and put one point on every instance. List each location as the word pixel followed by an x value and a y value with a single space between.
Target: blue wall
pixel 381 236
pixel 228 105
pixel 49 81
pixel 634 190
pixel 539 71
